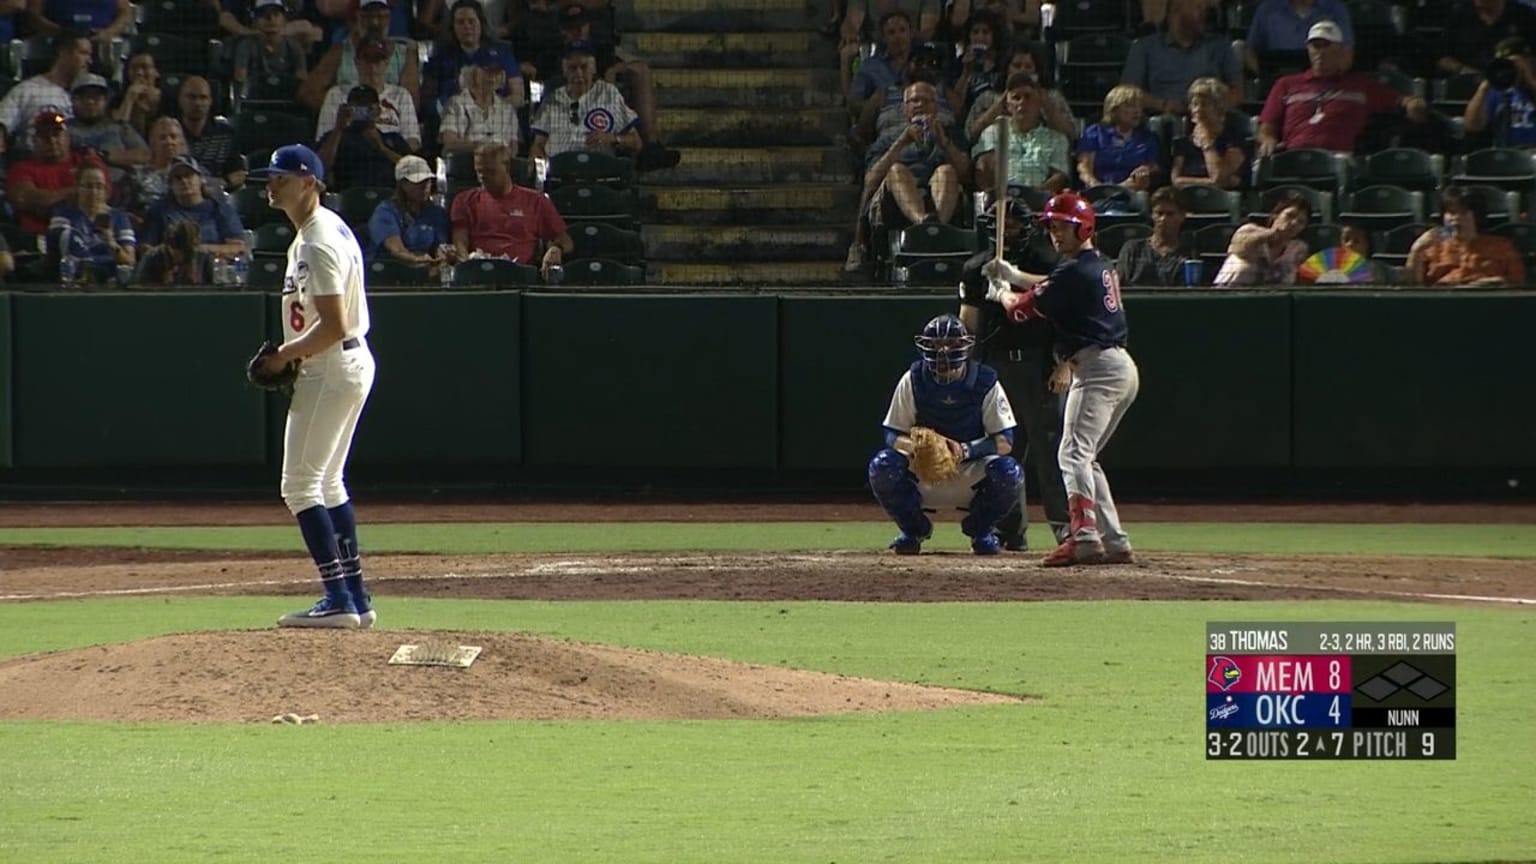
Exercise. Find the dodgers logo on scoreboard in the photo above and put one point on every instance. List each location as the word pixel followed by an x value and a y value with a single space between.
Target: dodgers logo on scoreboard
pixel 1224 673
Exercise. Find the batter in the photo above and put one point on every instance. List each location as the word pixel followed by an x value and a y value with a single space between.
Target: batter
pixel 1081 296
pixel 325 320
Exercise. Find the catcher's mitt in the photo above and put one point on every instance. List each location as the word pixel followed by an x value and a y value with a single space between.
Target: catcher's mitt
pixel 932 460
pixel 257 373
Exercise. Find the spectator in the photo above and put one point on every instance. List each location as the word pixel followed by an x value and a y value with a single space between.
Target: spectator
pixel 46 92
pixel 1357 239
pixel 1038 156
pixel 359 153
pixel 1165 63
pixel 409 227
pixel 586 114
pixel 1506 107
pixel 181 261
pixel 498 18
pixel 575 28
pixel 1159 259
pixel 888 111
pixel 1475 27
pixel 210 140
pixel 1458 253
pixel 504 220
pixel 151 181
pixel 1212 153
pixel 981 57
pixel 217 222
pixel 115 142
pixel 884 68
pixel 924 12
pixel 1119 150
pixel 990 104
pixel 140 103
pixel 1284 27
pixel 1269 254
pixel 469 42
pixel 485 111
pixel 340 66
pixel 107 19
pixel 47 178
pixel 267 52
pixel 307 33
pixel 7 260
pixel 923 157
pixel 1327 106
pixel 396 110
pixel 98 236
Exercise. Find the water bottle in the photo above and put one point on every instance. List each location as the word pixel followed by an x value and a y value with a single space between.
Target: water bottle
pixel 242 270
pixel 555 276
pixel 221 274
pixel 69 270
pixel 446 271
pixel 249 237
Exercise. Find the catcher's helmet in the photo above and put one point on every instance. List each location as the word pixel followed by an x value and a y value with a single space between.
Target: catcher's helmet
pixel 1071 207
pixel 945 345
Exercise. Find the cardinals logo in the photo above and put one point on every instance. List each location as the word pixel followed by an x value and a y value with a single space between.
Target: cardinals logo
pixel 1224 673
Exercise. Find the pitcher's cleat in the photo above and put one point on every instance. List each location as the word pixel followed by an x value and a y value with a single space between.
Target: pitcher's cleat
pixel 1073 552
pixel 327 614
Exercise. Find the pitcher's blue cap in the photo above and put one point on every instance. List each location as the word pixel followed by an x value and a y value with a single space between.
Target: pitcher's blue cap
pixel 293 159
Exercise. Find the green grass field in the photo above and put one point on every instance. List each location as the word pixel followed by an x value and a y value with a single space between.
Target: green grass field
pixel 1106 767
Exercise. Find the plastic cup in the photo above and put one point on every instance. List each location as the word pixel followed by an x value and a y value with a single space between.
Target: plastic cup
pixel 1194 272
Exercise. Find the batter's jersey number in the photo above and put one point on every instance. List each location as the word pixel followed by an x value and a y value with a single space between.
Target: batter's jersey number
pixel 296 317
pixel 1111 290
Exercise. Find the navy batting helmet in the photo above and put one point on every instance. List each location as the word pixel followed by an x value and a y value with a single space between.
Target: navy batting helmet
pixel 945 345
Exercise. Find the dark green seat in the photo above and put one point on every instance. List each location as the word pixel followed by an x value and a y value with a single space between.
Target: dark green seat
pixel 602 271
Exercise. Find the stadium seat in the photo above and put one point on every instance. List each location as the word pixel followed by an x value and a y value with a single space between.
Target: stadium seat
pixel 176 54
pixel 929 272
pixel 1211 243
pixel 595 203
pixel 1116 205
pixel 188 18
pixel 1523 235
pixel 271 93
pixel 1504 168
pixel 1407 167
pixel 273 239
pixel 602 271
pixel 580 166
pixel 1318 169
pixel 1090 16
pixel 266 272
pixel 1085 86
pixel 252 205
pixel 931 240
pixel 1382 208
pixel 1499 205
pixel 1320 235
pixel 35 56
pixel 1264 202
pixel 386 271
pixel 1209 205
pixel 1391 247
pixel 1451 95
pixel 494 272
pixel 356 205
pixel 601 240
pixel 1112 239
pixel 1403 83
pixel 265 131
pixel 1096 49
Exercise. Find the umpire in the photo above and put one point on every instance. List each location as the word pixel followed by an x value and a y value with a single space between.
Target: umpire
pixel 1021 354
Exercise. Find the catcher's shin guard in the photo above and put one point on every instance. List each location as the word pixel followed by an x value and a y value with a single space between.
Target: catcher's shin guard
pixel 995 496
pixel 890 478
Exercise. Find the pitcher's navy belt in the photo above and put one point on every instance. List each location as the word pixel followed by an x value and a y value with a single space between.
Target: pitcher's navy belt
pixel 349 344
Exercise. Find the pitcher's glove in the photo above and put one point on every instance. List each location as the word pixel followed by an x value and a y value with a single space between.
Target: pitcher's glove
pixel 933 460
pixel 258 373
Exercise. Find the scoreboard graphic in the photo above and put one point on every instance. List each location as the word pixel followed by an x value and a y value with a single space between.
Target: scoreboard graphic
pixel 1330 690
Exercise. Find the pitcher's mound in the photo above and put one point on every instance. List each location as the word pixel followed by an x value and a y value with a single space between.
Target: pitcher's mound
pixel 344 677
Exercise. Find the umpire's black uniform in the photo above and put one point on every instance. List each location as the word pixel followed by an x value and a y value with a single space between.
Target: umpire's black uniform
pixel 1021 354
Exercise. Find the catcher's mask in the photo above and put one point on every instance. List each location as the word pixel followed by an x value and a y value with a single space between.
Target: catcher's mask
pixel 945 345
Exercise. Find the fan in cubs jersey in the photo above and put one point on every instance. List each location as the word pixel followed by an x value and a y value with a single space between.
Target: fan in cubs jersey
pixel 1081 297
pixel 945 391
pixel 325 317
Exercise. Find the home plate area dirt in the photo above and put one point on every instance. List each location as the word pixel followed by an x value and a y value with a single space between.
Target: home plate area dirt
pixel 253 675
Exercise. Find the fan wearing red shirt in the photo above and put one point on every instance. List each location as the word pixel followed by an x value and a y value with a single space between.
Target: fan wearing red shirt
pixel 504 219
pixel 48 177
pixel 1327 106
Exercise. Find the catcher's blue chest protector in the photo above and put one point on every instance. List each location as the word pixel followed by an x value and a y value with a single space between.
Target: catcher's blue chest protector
pixel 955 408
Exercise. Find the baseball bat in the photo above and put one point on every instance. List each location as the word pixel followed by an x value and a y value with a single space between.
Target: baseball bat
pixel 1000 177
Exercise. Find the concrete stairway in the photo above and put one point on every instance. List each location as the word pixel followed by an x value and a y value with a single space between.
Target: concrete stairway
pixel 748 91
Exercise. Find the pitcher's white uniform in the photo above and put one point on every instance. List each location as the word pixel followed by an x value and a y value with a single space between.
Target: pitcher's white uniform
pixel 328 396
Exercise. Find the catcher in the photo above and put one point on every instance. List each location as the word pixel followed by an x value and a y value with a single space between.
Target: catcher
pixel 947 434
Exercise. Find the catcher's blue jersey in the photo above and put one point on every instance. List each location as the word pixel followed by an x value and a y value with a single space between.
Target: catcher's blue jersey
pixel 974 406
pixel 1082 298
